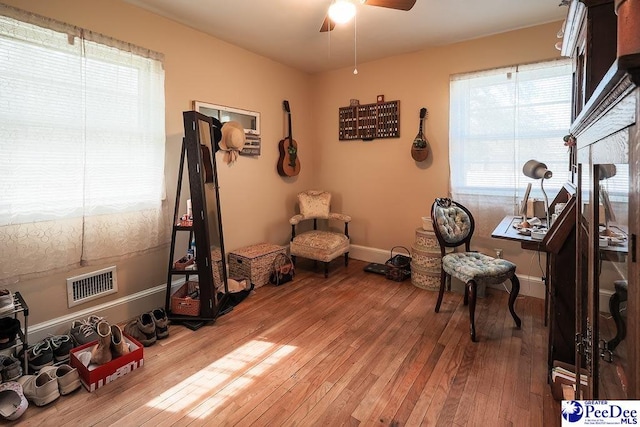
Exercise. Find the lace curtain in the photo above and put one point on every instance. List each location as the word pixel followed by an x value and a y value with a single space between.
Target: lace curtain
pixel 81 147
pixel 500 119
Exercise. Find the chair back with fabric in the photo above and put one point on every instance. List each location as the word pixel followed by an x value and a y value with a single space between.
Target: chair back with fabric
pixel 453 225
pixel 317 244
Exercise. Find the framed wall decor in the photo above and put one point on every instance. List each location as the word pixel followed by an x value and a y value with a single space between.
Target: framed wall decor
pixel 250 121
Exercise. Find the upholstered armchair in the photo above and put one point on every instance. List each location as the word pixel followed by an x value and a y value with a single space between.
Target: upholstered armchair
pixel 319 244
pixel 453 225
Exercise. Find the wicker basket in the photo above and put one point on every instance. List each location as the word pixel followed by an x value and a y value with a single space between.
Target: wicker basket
pixel 183 263
pixel 398 266
pixel 184 305
pixel 254 262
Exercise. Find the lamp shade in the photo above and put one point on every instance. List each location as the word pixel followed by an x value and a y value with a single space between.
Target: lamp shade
pixel 536 170
pixel 606 171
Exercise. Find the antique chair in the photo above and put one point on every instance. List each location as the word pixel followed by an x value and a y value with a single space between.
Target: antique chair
pixel 453 225
pixel 319 244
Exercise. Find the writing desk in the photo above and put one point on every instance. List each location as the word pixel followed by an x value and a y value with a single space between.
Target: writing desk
pixel 506 230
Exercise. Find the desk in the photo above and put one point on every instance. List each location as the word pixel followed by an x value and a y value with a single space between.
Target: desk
pixel 507 230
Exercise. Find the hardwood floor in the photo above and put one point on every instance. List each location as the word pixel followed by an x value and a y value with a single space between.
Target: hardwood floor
pixel 353 349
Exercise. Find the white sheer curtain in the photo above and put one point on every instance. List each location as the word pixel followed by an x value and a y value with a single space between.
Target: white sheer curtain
pixel 81 147
pixel 500 119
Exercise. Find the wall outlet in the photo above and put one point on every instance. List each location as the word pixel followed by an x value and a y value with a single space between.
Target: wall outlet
pixel 498 253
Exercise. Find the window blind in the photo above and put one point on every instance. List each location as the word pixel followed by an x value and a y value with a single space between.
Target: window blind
pixel 500 119
pixel 82 146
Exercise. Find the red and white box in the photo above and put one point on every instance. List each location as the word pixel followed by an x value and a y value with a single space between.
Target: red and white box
pixel 95 376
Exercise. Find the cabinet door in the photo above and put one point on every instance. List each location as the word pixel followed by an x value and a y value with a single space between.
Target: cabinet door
pixel 608 284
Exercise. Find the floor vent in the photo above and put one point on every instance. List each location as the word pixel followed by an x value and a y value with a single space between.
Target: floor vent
pixel 90 286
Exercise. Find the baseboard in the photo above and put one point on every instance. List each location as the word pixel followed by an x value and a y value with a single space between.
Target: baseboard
pixel 116 311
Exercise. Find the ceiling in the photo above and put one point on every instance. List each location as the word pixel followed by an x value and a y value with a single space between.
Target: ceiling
pixel 287 31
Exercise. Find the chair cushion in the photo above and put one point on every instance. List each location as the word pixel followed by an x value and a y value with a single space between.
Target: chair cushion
pixel 453 223
pixel 319 245
pixel 481 268
pixel 314 203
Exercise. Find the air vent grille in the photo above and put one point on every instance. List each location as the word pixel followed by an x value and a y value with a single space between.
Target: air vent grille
pixel 90 286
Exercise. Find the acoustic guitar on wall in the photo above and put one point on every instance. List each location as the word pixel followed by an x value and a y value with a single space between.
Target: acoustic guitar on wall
pixel 420 145
pixel 288 163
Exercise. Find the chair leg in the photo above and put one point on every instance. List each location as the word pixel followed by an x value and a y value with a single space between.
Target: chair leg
pixel 326 270
pixel 471 291
pixel 619 296
pixel 346 259
pixel 443 280
pixel 515 290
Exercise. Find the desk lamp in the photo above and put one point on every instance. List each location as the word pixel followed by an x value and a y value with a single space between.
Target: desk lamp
pixel 538 170
pixel 606 171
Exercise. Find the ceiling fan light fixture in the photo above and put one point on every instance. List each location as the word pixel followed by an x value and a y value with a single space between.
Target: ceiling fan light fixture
pixel 341 11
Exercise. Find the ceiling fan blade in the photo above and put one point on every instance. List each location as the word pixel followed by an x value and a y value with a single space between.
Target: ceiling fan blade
pixel 392 4
pixel 327 25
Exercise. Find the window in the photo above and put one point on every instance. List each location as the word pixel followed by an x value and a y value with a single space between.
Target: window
pixel 81 145
pixel 500 119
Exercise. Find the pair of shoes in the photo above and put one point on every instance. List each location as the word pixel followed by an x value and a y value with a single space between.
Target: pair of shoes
pixel 9 328
pixel 145 329
pixel 111 343
pixel 38 355
pixel 40 389
pixel 142 329
pixel 13 402
pixel 11 368
pixel 67 377
pixel 84 331
pixel 62 346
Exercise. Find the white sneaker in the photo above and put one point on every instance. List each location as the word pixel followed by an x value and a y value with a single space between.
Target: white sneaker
pixel 40 389
pixel 67 377
pixel 6 301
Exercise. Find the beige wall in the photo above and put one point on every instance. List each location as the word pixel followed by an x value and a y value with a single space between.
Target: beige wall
pixel 379 184
pixel 376 182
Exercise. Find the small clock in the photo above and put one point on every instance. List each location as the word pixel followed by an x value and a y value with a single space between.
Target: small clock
pixel 380 98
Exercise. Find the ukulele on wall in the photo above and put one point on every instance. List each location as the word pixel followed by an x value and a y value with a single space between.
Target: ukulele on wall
pixel 288 163
pixel 420 146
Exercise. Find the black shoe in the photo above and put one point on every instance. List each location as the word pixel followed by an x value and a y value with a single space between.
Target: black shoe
pixel 38 356
pixel 9 328
pixel 61 346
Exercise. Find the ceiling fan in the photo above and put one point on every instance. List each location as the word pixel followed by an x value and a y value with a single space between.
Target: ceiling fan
pixel 330 22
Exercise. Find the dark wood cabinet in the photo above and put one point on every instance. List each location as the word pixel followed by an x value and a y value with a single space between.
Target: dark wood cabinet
pixel 602 39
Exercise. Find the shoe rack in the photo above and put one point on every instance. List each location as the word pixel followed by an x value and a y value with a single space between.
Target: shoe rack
pixel 369 121
pixel 20 307
pixel 199 145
